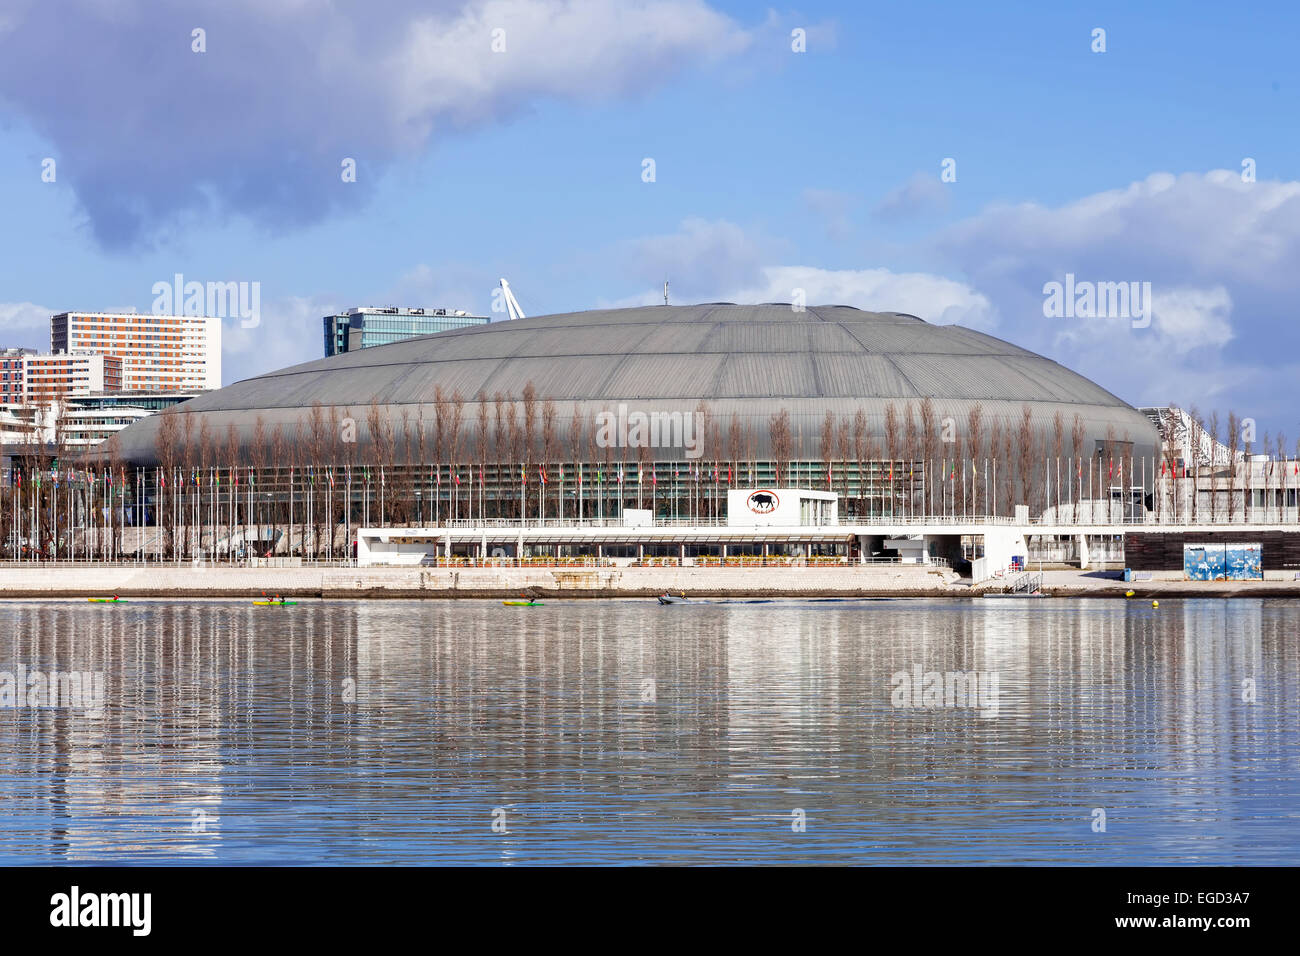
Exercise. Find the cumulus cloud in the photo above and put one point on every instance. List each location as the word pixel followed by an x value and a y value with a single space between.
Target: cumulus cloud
pixel 834 208
pixel 934 298
pixel 290 332
pixel 25 324
pixel 152 134
pixel 921 194
pixel 700 259
pixel 1219 255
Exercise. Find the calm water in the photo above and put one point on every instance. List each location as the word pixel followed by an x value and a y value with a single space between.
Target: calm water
pixel 623 732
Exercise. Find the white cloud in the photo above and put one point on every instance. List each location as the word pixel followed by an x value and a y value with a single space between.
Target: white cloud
pixel 289 89
pixel 1219 254
pixel 25 324
pixel 924 192
pixel 935 299
pixel 834 208
pixel 701 258
pixel 586 50
pixel 290 332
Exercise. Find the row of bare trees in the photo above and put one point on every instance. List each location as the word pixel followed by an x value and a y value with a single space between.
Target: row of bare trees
pixel 508 457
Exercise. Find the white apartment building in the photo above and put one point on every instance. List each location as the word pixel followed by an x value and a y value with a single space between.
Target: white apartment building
pixel 170 353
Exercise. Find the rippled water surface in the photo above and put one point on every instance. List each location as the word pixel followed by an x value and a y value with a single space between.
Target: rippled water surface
pixel 623 732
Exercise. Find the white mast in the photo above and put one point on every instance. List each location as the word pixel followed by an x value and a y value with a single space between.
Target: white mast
pixel 512 304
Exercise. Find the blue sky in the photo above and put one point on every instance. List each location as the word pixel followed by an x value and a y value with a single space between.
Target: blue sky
pixel 775 170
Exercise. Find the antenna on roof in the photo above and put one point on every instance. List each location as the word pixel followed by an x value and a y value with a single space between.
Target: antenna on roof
pixel 665 291
pixel 512 304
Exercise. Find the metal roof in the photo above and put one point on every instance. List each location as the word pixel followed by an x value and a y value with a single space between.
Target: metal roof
pixel 748 359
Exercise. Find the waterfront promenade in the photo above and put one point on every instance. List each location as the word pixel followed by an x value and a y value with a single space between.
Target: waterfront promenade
pixel 327 582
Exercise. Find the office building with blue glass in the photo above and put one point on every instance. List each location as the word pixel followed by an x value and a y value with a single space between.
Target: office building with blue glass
pixel 365 327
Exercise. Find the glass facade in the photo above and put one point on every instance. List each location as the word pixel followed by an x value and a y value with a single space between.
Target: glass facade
pixel 364 328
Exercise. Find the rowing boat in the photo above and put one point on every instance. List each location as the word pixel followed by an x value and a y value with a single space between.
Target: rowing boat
pixel 522 603
pixel 112 600
pixel 274 603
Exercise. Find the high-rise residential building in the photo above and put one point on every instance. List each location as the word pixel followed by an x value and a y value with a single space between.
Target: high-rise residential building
pixel 364 327
pixel 171 353
pixel 13 375
pixel 49 378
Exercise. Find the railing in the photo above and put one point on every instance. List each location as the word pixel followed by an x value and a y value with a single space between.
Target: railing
pixel 1025 584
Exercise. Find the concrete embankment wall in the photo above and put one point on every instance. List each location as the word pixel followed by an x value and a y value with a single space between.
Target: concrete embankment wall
pixel 471 582
pixel 341 582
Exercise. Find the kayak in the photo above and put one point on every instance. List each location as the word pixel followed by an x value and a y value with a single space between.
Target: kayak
pixel 522 603
pixel 106 600
pixel 274 603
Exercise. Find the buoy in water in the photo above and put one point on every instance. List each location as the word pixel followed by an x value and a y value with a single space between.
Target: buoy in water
pixel 1129 593
pixel 1155 603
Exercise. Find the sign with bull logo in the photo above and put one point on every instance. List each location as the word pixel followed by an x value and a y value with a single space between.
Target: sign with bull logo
pixel 763 502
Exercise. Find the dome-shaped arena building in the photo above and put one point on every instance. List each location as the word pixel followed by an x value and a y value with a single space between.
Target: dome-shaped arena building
pixel 664 407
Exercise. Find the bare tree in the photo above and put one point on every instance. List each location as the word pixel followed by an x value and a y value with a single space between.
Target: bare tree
pixel 778 428
pixel 1027 459
pixel 575 456
pixel 166 441
pixel 974 445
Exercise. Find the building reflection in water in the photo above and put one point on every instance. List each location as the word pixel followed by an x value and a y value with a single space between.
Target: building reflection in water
pixel 623 731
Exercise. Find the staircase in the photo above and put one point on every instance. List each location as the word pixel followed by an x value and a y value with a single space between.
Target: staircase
pixel 1025 584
